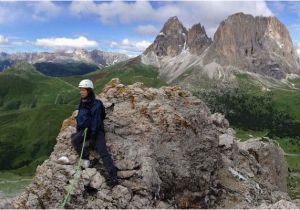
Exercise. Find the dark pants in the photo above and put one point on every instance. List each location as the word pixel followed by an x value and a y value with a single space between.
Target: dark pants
pixel 100 146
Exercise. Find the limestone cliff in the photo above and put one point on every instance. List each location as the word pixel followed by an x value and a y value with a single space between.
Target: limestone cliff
pixel 257 44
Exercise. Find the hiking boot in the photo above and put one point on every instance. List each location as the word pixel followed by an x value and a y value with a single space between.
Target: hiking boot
pixel 85 163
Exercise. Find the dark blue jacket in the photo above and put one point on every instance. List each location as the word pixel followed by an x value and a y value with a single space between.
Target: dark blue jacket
pixel 91 115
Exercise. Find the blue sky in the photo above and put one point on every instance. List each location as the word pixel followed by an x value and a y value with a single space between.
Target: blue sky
pixel 120 26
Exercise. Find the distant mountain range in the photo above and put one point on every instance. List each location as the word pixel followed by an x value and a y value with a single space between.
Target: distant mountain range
pixel 64 63
pixel 259 46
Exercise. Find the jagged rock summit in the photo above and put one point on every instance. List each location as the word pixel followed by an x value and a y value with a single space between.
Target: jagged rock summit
pixel 258 45
pixel 171 152
pixel 175 48
pixel 174 38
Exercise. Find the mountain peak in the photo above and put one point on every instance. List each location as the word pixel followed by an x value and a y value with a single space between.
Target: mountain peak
pixel 171 40
pixel 197 40
pixel 80 51
pixel 174 38
pixel 174 18
pixel 173 26
pixel 239 14
pixel 256 44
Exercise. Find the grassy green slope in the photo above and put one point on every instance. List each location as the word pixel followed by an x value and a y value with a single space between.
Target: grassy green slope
pixel 32 108
pixel 28 88
pixel 285 98
pixel 29 135
pixel 126 71
pixel 289 98
pixel 34 105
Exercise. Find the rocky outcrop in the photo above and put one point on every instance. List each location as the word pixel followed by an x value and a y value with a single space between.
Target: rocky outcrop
pixel 252 174
pixel 171 152
pixel 270 159
pixel 256 44
pixel 282 204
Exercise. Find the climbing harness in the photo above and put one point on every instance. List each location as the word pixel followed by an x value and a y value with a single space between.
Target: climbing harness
pixel 77 172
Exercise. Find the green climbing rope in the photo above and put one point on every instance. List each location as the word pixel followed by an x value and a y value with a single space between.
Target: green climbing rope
pixel 77 172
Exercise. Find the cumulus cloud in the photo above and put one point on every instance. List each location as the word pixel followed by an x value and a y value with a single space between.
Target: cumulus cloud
pixel 66 43
pixel 3 40
pixel 115 11
pixel 146 30
pixel 12 11
pixel 130 47
pixel 8 13
pixel 44 10
pixel 208 13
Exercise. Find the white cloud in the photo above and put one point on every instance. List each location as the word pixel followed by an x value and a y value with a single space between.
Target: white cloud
pixel 208 13
pixel 66 43
pixel 3 40
pixel 8 13
pixel 20 11
pixel 44 10
pixel 130 47
pixel 146 30
pixel 142 45
pixel 115 11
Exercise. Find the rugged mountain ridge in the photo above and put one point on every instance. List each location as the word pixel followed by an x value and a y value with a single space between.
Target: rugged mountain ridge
pixel 175 38
pixel 171 49
pixel 171 152
pixel 242 43
pixel 95 57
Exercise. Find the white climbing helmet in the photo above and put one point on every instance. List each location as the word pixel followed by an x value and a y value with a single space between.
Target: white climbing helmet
pixel 86 83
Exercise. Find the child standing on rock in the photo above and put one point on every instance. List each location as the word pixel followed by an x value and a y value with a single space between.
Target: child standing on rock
pixel 91 114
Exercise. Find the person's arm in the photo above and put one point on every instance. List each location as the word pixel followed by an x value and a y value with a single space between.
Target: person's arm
pixel 95 121
pixel 77 126
pixel 103 113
